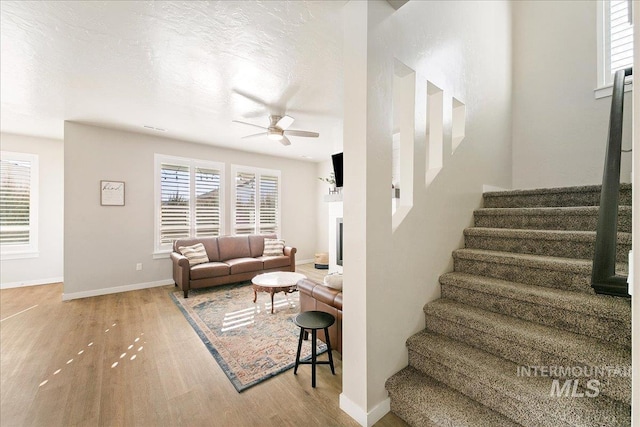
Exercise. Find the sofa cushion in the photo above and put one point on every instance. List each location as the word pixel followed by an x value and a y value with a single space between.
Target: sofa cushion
pixel 275 261
pixel 256 243
pixel 273 247
pixel 209 269
pixel 231 247
pixel 196 254
pixel 210 245
pixel 244 265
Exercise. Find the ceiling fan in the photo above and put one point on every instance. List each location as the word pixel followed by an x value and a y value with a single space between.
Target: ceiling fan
pixel 278 129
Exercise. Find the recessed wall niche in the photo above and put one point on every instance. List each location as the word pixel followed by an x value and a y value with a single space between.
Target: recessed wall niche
pixel 435 131
pixel 404 101
pixel 458 118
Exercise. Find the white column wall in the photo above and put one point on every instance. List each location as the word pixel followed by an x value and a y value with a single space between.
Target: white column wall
pixel 464 48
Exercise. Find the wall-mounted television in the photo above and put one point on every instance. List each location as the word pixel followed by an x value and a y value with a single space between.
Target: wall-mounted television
pixel 337 168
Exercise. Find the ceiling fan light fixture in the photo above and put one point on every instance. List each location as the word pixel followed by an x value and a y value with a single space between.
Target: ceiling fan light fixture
pixel 274 135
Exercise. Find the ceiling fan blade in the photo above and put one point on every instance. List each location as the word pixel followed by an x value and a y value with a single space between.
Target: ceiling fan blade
pixel 285 141
pixel 285 122
pixel 247 123
pixel 255 135
pixel 302 133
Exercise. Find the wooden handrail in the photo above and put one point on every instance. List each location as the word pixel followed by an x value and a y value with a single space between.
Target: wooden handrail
pixel 604 279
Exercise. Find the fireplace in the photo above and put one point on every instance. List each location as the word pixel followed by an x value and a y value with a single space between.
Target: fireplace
pixel 339 241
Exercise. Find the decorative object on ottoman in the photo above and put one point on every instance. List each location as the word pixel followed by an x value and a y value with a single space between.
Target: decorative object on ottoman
pixel 334 281
pixel 321 261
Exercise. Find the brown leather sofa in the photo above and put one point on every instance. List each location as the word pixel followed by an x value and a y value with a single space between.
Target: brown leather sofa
pixel 231 259
pixel 316 296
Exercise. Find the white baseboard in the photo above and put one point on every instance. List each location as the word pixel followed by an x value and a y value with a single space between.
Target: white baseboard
pixel 115 290
pixel 31 283
pixel 365 419
pixel 304 261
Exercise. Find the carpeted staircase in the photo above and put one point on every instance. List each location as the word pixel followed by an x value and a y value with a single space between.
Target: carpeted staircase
pixel 520 296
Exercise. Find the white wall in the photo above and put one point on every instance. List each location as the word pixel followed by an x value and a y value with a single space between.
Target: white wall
pixel 559 128
pixel 47 267
pixel 634 275
pixel 323 169
pixel 104 243
pixel 465 49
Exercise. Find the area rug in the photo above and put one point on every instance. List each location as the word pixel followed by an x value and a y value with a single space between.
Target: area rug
pixel 249 343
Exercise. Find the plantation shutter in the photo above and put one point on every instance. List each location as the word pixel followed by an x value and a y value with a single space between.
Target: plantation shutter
pixel 174 211
pixel 207 215
pixel 15 202
pixel 268 211
pixel 245 203
pixel 620 37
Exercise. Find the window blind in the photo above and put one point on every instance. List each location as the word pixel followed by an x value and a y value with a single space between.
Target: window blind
pixel 256 201
pixel 175 184
pixel 268 211
pixel 190 199
pixel 207 215
pixel 245 203
pixel 620 37
pixel 15 202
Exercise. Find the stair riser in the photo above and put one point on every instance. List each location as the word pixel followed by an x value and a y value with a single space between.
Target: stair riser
pixel 413 418
pixel 590 198
pixel 586 221
pixel 526 409
pixel 578 282
pixel 521 353
pixel 557 248
pixel 608 330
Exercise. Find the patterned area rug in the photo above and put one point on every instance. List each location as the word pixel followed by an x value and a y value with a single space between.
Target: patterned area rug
pixel 249 343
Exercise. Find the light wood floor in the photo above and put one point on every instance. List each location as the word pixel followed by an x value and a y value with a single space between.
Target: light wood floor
pixel 58 368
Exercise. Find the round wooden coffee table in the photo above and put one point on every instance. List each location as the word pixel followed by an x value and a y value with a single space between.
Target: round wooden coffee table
pixel 277 281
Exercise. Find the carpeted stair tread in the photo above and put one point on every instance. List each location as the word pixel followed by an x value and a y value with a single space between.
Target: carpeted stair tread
pixel 493 381
pixel 538 261
pixel 526 342
pixel 600 316
pixel 565 273
pixel 422 401
pixel 588 195
pixel 558 243
pixel 549 218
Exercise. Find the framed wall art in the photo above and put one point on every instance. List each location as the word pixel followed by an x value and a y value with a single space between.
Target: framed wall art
pixel 112 193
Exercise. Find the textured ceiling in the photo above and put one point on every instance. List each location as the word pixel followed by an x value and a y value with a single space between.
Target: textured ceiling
pixel 187 67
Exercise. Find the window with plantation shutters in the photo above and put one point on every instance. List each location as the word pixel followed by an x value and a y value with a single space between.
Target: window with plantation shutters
pixel 268 207
pixel 256 200
pixel 188 199
pixel 18 204
pixel 615 34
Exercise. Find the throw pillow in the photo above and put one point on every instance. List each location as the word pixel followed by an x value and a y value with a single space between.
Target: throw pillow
pixel 196 254
pixel 333 281
pixel 273 247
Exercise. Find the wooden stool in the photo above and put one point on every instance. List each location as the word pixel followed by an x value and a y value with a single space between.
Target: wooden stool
pixel 314 320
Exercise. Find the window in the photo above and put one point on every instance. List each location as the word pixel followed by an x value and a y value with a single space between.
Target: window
pixel 615 40
pixel 189 195
pixel 256 200
pixel 18 205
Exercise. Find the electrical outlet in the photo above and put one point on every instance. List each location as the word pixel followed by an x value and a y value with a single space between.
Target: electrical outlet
pixel 139 266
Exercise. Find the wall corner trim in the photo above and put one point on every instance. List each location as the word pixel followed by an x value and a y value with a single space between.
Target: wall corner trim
pixel 365 419
pixel 115 290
